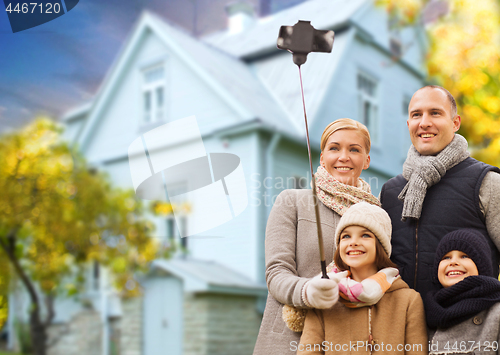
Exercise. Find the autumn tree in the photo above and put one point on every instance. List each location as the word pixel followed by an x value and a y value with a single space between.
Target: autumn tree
pixel 463 57
pixel 4 283
pixel 57 215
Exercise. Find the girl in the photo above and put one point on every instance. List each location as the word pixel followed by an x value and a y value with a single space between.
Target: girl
pixel 464 315
pixel 377 311
pixel 291 243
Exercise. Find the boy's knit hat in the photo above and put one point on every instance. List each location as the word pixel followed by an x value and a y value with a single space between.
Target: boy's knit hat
pixel 371 217
pixel 470 242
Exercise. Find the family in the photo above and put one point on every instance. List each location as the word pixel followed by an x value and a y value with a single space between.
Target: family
pixel 414 271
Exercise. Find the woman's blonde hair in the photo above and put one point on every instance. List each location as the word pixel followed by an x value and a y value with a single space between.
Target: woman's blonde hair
pixel 346 123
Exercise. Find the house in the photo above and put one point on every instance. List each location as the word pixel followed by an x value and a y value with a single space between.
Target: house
pixel 245 95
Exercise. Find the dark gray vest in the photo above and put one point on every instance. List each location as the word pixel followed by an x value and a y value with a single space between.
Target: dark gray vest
pixel 453 203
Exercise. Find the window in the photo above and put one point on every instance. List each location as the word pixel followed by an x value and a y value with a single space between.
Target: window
pixel 396 48
pixel 177 234
pixel 299 182
pixel 405 137
pixel 395 39
pixel 153 94
pixel 93 271
pixel 96 275
pixel 368 105
pixel 177 225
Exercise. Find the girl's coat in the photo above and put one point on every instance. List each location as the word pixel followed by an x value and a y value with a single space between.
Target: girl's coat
pixel 396 321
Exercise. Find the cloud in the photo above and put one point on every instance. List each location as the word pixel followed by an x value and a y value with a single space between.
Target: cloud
pixel 85 83
pixel 32 99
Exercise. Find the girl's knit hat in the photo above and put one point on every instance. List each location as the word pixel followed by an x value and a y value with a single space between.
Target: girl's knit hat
pixel 470 242
pixel 371 217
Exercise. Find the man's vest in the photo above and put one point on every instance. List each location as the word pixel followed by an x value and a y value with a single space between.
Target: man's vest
pixel 451 204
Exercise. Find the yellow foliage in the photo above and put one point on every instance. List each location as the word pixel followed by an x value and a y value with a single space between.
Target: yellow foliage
pixel 62 215
pixel 119 265
pixel 162 208
pixel 403 9
pixel 492 104
pixel 471 73
pixel 464 57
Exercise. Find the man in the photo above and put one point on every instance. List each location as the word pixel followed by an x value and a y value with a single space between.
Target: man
pixel 441 189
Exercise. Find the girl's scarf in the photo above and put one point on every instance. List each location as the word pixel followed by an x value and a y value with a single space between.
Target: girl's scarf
pixel 354 294
pixel 455 304
pixel 424 171
pixel 338 196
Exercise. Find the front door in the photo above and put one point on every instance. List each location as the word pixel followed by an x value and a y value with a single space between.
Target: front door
pixel 163 326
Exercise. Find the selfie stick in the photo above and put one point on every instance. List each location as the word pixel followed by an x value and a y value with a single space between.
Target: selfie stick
pixel 301 39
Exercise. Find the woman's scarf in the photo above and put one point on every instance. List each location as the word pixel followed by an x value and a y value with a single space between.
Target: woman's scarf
pixel 354 294
pixel 338 196
pixel 424 171
pixel 461 301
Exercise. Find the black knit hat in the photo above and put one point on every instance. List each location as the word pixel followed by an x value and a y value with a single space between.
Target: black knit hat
pixel 472 243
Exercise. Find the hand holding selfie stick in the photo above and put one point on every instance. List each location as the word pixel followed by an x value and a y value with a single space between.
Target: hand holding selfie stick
pixel 302 39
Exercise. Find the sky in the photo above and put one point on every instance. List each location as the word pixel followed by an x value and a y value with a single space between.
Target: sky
pixel 59 65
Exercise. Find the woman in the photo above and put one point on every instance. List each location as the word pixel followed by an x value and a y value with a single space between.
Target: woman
pixel 292 253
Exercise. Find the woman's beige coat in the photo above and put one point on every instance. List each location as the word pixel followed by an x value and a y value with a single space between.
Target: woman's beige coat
pixel 397 321
pixel 292 258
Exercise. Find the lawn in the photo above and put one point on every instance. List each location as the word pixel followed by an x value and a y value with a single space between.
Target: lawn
pixel 6 353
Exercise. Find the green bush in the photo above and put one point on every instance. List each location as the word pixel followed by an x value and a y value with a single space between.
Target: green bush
pixel 24 337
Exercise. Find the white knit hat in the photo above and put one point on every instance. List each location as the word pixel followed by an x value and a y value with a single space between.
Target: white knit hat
pixel 371 217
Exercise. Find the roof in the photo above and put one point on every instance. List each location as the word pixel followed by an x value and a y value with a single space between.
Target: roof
pixel 222 67
pixel 318 73
pixel 247 96
pixel 261 37
pixel 205 276
pixel 77 112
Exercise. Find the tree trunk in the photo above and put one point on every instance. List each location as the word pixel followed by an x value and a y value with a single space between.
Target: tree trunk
pixel 38 331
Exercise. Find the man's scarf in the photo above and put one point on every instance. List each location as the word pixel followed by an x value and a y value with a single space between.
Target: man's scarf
pixel 424 171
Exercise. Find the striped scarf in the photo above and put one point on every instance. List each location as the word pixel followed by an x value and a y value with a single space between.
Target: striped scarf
pixel 354 294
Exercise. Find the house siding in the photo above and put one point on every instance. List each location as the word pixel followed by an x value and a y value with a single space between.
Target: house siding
pixel 395 83
pixel 131 327
pixel 234 244
pixel 81 335
pixel 73 128
pixel 217 324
